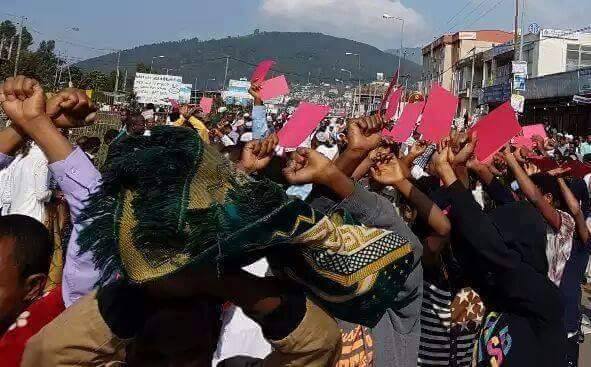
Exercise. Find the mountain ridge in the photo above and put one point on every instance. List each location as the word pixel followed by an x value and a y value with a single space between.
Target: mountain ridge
pixel 301 56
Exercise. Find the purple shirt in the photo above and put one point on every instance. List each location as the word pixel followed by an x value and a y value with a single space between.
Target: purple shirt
pixel 77 178
pixel 5 160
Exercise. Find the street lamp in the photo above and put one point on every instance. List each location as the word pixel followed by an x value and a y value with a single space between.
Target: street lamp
pixel 348 71
pixel 387 16
pixel 350 76
pixel 152 63
pixel 359 72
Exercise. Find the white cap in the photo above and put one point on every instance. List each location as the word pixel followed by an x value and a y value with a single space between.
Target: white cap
pixel 246 115
pixel 246 137
pixel 322 136
pixel 269 119
pixel 222 109
pixel 248 124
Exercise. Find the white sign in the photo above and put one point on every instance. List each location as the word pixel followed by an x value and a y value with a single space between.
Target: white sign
pixel 156 88
pixel 380 77
pixel 561 33
pixel 517 102
pixel 519 67
pixel 237 92
pixel 519 82
pixel 467 35
pixel 185 93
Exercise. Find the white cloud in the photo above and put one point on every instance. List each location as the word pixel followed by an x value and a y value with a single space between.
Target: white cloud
pixel 359 20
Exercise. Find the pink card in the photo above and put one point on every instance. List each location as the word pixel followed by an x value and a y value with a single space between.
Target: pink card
pixel 522 141
pixel 206 104
pixel 302 123
pixel 495 130
pixel 275 87
pixel 393 104
pixel 531 130
pixel 406 123
pixel 387 94
pixel 438 114
pixel 260 72
pixel 174 103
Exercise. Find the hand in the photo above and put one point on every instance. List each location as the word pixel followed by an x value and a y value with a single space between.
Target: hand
pixel 442 161
pixel 308 166
pixel 22 99
pixel 559 172
pixel 71 108
pixel 255 92
pixel 417 149
pixel 257 154
pixel 465 153
pixel 389 172
pixel 363 134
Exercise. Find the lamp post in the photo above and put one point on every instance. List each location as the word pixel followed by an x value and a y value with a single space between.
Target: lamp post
pixel 152 63
pixel 350 76
pixel 359 72
pixel 387 16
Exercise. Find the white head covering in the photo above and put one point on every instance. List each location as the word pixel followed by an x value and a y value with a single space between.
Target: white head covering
pixel 246 137
pixel 222 109
pixel 322 136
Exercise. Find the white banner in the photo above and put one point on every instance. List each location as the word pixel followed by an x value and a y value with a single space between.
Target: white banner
pixel 157 88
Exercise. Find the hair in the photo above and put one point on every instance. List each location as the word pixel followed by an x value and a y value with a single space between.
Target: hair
pixel 548 185
pixel 32 245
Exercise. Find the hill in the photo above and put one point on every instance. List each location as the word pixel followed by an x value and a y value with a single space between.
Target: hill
pixel 414 54
pixel 301 56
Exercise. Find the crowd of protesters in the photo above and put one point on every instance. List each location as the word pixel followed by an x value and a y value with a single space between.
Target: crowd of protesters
pixel 202 242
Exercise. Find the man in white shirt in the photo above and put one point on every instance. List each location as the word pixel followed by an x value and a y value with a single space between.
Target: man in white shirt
pixel 29 185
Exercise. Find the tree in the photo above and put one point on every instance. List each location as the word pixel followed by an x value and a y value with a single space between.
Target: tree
pixel 7 29
pixel 142 68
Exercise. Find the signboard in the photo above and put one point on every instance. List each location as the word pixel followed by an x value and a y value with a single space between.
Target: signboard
pixel 534 28
pixel 185 93
pixel 156 88
pixel 237 93
pixel 517 102
pixel 519 82
pixel 380 77
pixel 519 67
pixel 560 33
pixel 467 35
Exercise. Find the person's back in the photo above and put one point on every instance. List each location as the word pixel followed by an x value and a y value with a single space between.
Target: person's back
pixel 30 185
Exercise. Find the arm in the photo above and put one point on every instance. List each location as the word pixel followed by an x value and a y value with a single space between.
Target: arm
pixel 575 209
pixel 426 208
pixel 532 193
pixel 493 187
pixel 363 135
pixel 11 139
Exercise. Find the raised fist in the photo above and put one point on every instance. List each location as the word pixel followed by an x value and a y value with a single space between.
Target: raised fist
pixel 22 99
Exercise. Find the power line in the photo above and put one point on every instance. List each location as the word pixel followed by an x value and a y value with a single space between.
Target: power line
pixel 496 5
pixel 459 12
pixel 467 15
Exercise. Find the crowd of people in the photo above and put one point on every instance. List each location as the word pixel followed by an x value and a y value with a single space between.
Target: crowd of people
pixel 200 241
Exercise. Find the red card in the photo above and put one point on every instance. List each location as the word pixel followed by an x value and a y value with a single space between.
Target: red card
pixel 206 104
pixel 275 87
pixel 577 168
pixel 260 72
pixel 393 104
pixel 406 123
pixel 388 91
pixel 438 114
pixel 302 123
pixel 495 130
pixel 531 130
pixel 545 164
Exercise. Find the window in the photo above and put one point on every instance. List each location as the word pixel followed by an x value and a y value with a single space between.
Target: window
pixel 577 56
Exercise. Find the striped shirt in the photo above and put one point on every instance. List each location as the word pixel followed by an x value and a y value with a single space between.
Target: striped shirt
pixel 449 326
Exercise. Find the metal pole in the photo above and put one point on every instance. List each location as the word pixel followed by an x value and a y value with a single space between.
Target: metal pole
pixel 400 54
pixel 151 65
pixel 516 25
pixel 125 81
pixel 19 46
pixel 359 78
pixel 57 68
pixel 522 30
pixel 226 73
pixel 117 78
pixel 472 82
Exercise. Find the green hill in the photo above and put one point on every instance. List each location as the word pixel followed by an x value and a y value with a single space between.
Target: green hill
pixel 301 56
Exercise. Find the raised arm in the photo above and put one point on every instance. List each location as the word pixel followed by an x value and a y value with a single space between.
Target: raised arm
pixel 533 194
pixel 259 113
pixel 363 135
pixel 575 210
pixel 11 139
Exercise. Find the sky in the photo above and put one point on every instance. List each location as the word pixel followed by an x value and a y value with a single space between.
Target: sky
pixel 88 29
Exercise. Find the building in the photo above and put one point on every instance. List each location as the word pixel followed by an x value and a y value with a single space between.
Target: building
pixel 443 54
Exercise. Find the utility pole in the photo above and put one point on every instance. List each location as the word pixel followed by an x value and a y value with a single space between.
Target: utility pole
pixel 522 30
pixel 516 25
pixel 117 78
pixel 19 45
pixel 472 82
pixel 226 73
pixel 125 81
